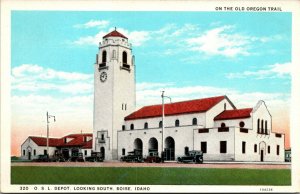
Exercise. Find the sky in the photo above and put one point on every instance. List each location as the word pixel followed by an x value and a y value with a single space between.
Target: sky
pixel 246 56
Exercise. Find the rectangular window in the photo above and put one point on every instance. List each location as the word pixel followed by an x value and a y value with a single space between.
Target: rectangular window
pixel 223 146
pixel 123 127
pixel 85 152
pixel 23 152
pixel 223 129
pixel 243 147
pixel 204 146
pixel 243 130
pixel 269 149
pixel 205 130
pixel 34 152
pixel 277 149
pixel 123 152
pixel 102 136
pixel 278 135
pixel 45 152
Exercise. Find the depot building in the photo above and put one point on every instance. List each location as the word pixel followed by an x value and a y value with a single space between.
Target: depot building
pixel 213 124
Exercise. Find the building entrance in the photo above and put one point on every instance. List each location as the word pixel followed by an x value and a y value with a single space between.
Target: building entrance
pixel 169 149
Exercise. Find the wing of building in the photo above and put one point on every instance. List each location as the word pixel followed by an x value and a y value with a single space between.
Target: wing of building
pixel 67 146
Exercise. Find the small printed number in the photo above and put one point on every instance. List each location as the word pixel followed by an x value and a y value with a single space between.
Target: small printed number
pixel 24 188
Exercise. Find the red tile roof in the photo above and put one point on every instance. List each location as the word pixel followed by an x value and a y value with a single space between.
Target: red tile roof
pixel 115 33
pixel 234 114
pixel 88 145
pixel 191 106
pixel 76 140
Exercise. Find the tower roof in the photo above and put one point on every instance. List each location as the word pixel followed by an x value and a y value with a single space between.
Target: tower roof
pixel 185 107
pixel 115 33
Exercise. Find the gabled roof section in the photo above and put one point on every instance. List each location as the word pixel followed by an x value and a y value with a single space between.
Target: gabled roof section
pixel 42 141
pixel 234 114
pixel 115 33
pixel 88 145
pixel 184 107
pixel 76 140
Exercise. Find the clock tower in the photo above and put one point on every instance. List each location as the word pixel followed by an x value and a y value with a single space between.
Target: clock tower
pixel 114 91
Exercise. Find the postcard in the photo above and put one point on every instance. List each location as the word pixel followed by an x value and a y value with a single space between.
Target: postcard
pixel 149 96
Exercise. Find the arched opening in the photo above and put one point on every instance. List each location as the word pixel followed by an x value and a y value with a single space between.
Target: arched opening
pixel 169 149
pixel 223 125
pixel 138 145
pixel 153 146
pixel 104 56
pixel 160 124
pixel 124 57
pixel 266 127
pixel 262 150
pixel 146 125
pixel 102 150
pixel 194 121
pixel 132 127
pixel 242 124
pixel 177 123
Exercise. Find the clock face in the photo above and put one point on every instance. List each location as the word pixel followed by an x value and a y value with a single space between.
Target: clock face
pixel 103 76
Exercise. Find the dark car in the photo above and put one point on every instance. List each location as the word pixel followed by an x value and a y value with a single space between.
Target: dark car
pixel 134 156
pixel 76 157
pixel 95 157
pixel 153 157
pixel 42 158
pixel 193 156
pixel 58 158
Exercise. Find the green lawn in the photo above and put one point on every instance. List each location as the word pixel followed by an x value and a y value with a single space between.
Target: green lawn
pixel 148 176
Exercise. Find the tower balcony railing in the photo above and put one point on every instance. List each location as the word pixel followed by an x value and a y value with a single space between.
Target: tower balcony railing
pixel 101 140
pixel 102 66
pixel 125 66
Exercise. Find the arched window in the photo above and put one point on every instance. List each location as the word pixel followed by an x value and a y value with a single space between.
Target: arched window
pixel 258 124
pixel 255 148
pixel 177 123
pixel 186 150
pixel 223 125
pixel 132 127
pixel 242 124
pixel 194 121
pixel 104 55
pixel 23 152
pixel 34 152
pixel 123 151
pixel 160 124
pixel 266 127
pixel 262 126
pixel 124 57
pixel 146 125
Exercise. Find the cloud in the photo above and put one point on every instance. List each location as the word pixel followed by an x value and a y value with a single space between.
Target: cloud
pixel 277 70
pixel 35 78
pixel 93 23
pixel 220 41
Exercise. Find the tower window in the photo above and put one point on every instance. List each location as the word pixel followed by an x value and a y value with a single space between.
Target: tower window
pixel 266 127
pixel 102 136
pixel 177 123
pixel 258 124
pixel 194 121
pixel 125 106
pixel 104 55
pixel 124 57
pixel 262 126
pixel 114 54
pixel 146 125
pixel 132 127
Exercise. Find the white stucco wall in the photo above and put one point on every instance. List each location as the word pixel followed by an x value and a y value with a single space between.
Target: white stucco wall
pixel 30 146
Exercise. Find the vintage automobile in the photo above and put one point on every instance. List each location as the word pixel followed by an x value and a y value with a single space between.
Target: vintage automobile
pixel 134 156
pixel 152 157
pixel 58 157
pixel 95 157
pixel 193 156
pixel 42 158
pixel 76 157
